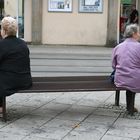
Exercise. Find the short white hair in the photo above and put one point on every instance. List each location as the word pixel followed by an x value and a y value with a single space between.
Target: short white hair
pixel 130 30
pixel 9 25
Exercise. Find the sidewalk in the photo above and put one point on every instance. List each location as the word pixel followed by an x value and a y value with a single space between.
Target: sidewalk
pixel 69 116
pixel 69 49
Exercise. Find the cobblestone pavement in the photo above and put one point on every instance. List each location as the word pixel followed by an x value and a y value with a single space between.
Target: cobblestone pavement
pixel 69 116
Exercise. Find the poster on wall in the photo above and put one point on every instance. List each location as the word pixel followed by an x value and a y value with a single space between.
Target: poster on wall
pixel 91 6
pixel 60 5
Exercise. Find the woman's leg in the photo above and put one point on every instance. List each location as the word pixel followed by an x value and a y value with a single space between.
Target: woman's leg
pixel 1 100
pixel 130 101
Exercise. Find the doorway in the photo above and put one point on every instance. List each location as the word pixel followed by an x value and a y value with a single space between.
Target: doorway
pixel 1 12
pixel 125 10
pixel 1 9
pixel 14 8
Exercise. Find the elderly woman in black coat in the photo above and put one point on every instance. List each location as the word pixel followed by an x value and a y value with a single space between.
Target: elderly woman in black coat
pixel 15 71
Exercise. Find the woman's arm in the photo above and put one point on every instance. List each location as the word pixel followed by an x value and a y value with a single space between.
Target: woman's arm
pixel 114 59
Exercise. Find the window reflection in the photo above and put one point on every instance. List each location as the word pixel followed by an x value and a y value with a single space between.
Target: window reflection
pixel 21 18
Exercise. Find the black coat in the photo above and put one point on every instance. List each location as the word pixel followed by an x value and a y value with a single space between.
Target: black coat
pixel 15 71
pixel 133 15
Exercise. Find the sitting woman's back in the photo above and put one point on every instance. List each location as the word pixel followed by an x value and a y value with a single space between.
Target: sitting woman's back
pixel 15 73
pixel 126 63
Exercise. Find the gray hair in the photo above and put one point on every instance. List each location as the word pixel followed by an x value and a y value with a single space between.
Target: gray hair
pixel 130 30
pixel 9 25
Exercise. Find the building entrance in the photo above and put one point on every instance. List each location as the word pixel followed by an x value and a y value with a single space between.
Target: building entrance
pixel 125 11
pixel 14 8
pixel 1 9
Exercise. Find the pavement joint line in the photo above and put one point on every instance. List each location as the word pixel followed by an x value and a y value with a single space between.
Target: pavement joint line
pixel 26 113
pixel 109 127
pixel 46 122
pixel 78 124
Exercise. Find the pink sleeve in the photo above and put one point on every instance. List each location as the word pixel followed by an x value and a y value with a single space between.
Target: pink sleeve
pixel 114 61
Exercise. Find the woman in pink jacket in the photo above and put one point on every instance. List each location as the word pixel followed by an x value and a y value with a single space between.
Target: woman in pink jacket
pixel 126 63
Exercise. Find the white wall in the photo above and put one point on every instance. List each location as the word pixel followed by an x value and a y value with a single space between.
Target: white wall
pixel 74 28
pixel 27 20
pixel 10 7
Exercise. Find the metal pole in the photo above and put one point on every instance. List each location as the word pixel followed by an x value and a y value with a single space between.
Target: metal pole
pixel 17 13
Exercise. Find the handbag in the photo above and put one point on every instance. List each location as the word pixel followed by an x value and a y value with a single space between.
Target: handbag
pixel 112 76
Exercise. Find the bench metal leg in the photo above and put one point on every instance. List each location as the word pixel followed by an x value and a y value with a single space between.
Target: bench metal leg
pixel 117 97
pixel 4 115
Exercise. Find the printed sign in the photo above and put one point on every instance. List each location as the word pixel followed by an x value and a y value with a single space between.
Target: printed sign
pixel 60 5
pixel 91 6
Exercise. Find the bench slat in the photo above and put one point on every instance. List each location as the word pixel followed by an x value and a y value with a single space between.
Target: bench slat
pixel 70 84
pixel 70 78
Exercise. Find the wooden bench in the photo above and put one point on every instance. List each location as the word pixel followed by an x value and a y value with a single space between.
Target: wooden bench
pixel 68 84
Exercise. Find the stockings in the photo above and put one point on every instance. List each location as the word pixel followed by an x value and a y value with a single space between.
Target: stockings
pixel 1 99
pixel 130 101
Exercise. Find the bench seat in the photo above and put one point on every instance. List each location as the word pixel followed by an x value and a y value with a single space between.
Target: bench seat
pixel 68 84
pixel 71 84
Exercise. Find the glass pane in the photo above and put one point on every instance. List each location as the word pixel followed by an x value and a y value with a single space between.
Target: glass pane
pixel 1 9
pixel 1 12
pixel 21 18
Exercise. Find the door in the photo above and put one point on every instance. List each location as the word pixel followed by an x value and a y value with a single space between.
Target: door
pixel 125 10
pixel 20 7
pixel 14 8
pixel 1 12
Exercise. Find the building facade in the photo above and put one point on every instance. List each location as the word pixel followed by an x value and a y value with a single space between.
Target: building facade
pixel 72 22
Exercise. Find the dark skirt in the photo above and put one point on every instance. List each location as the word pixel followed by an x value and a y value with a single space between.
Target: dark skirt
pixel 10 83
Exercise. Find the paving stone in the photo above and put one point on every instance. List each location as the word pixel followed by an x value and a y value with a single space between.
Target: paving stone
pixel 109 137
pixel 25 125
pixel 128 123
pixel 105 120
pixel 99 95
pixel 106 112
pixel 135 116
pixel 89 103
pixel 120 108
pixel 15 112
pixel 36 138
pixel 70 115
pixel 70 98
pixel 84 135
pixel 46 112
pixel 56 106
pixel 124 132
pixel 51 133
pixel 57 123
pixel 91 127
pixel 54 129
pixel 81 109
pixel 9 136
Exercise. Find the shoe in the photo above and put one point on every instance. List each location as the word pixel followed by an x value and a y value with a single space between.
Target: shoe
pixel 0 104
pixel 135 109
pixel 0 110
